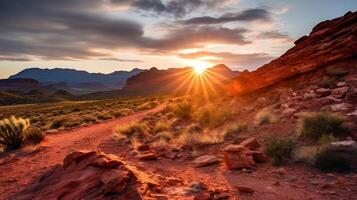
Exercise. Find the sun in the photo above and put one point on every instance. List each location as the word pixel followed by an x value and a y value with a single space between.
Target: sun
pixel 199 69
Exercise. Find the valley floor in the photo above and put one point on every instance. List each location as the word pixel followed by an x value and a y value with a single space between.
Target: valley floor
pixel 18 169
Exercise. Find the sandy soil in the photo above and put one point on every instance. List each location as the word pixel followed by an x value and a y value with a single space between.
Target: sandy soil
pixel 19 168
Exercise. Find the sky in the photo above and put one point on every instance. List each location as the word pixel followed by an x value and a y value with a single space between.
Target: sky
pixel 110 35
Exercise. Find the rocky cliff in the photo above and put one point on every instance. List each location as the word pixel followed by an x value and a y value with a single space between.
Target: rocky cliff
pixel 330 42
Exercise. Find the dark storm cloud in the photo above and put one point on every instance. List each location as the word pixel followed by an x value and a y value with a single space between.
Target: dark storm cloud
pixel 247 61
pixel 76 29
pixel 246 15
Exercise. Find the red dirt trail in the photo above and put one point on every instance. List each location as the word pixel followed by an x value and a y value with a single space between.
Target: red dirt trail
pixel 17 169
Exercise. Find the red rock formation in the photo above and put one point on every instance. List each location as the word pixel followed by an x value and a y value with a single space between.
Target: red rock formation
pixel 90 175
pixel 330 42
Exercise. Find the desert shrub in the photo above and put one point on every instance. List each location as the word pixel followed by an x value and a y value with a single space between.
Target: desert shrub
pixel 12 132
pixel 34 135
pixel 161 126
pixel 103 116
pixel 211 116
pixel 327 82
pixel 88 119
pixel 265 116
pixel 327 139
pixel 183 110
pixel 326 160
pixel 58 123
pixel 337 72
pixel 279 149
pixel 71 122
pixel 198 140
pixel 234 130
pixel 134 130
pixel 314 125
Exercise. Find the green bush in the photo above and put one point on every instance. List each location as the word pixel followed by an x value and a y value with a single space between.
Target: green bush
pixel 234 130
pixel 12 132
pixel 327 160
pixel 279 149
pixel 34 135
pixel 315 125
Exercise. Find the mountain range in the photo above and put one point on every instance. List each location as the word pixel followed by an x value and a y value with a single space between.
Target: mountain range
pixel 80 80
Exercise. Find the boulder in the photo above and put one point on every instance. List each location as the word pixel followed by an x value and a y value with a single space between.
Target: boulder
pixel 82 177
pixel 339 92
pixel 205 160
pixel 340 107
pixel 346 146
pixel 238 157
pixel 250 143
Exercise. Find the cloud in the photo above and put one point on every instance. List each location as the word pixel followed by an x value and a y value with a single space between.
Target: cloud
pixel 241 61
pixel 274 35
pixel 177 8
pixel 121 60
pixel 20 59
pixel 246 15
pixel 194 37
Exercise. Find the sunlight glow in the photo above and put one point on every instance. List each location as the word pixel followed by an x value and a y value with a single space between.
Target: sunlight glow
pixel 199 69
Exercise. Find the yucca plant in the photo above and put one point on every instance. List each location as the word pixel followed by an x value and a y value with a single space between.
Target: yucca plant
pixel 12 132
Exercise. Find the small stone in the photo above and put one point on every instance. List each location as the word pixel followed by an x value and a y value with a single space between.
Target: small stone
pixel 244 189
pixel 147 156
pixel 280 171
pixel 259 157
pixel 341 84
pixel 346 146
pixel 340 107
pixel 339 92
pixel 276 183
pixel 205 160
pixel 323 92
pixel 143 147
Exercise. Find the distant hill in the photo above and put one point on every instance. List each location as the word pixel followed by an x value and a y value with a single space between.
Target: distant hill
pixel 76 79
pixel 177 80
pixel 19 82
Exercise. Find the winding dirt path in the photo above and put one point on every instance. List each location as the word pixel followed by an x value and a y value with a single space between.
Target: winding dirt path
pixel 17 169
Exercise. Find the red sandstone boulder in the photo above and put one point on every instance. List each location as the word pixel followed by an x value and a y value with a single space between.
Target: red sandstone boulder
pixel 250 143
pixel 89 175
pixel 238 157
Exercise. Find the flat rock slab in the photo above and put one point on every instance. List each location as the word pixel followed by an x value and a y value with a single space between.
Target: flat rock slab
pixel 205 160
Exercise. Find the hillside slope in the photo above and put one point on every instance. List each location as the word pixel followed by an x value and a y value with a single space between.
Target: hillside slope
pixel 329 43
